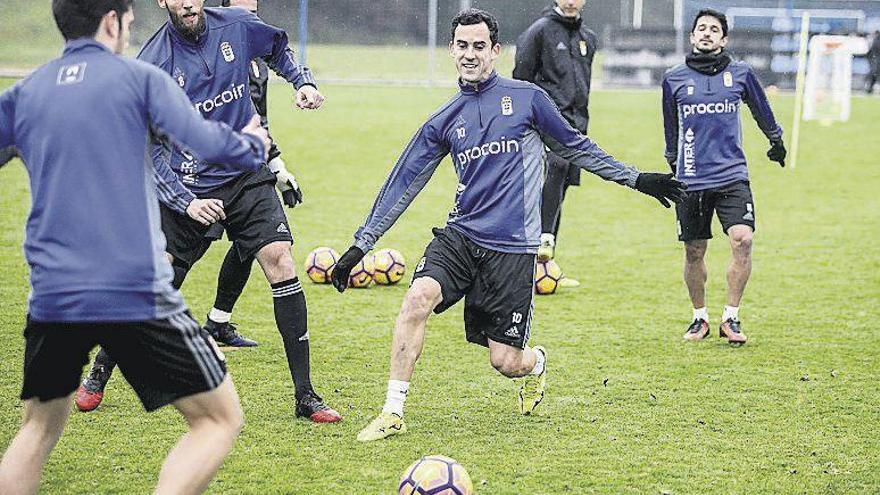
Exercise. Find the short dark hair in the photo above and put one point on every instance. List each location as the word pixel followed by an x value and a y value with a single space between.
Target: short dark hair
pixel 469 17
pixel 224 3
pixel 80 18
pixel 711 13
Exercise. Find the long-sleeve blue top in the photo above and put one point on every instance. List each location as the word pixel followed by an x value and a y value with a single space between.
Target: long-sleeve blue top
pixel 701 120
pixel 495 132
pixel 213 71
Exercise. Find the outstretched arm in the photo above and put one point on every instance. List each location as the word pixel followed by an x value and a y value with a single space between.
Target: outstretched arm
pixel 408 177
pixel 578 149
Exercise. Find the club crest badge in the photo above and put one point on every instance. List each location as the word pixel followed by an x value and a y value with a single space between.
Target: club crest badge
pixel 506 105
pixel 71 74
pixel 179 77
pixel 583 45
pixel 226 51
pixel 728 79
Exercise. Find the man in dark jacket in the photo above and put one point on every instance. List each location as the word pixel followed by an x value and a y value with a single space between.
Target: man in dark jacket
pixel 874 61
pixel 556 53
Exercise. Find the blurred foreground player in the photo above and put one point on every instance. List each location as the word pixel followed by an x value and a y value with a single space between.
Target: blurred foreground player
pixel 701 117
pixel 83 123
pixel 495 129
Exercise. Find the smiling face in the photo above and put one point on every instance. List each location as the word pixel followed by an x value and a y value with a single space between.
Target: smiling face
pixel 473 52
pixel 708 35
pixel 187 16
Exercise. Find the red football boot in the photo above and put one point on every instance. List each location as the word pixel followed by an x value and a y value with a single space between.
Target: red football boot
pixel 90 394
pixel 312 406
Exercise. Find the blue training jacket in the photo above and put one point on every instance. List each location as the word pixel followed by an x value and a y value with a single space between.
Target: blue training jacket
pixel 82 125
pixel 496 134
pixel 213 71
pixel 702 124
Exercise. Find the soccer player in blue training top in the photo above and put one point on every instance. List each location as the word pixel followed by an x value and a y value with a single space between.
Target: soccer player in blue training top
pixel 235 271
pixel 208 51
pixel 701 103
pixel 495 129
pixel 99 275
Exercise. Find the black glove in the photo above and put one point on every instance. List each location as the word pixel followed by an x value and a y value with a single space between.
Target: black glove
pixel 777 152
pixel 343 267
pixel 661 186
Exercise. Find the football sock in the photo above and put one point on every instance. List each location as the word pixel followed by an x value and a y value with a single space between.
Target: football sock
pixel 730 313
pixel 539 362
pixel 103 359
pixel 701 314
pixel 234 274
pixel 395 397
pixel 291 317
pixel 219 316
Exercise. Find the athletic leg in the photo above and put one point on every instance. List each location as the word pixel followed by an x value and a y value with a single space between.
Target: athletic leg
pixel 233 276
pixel 23 462
pixel 291 317
pixel 215 419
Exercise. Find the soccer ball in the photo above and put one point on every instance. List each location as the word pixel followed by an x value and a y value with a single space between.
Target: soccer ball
pixel 320 264
pixel 389 267
pixel 547 277
pixel 435 475
pixel 362 274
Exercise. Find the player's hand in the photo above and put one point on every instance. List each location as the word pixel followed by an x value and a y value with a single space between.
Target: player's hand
pixel 286 183
pixel 777 152
pixel 256 129
pixel 661 186
pixel 308 98
pixel 343 267
pixel 206 211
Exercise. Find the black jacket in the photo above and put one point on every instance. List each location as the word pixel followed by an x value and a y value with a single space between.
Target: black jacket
pixel 556 53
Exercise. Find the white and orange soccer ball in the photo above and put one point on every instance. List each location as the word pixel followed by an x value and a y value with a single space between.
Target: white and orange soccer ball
pixel 320 263
pixel 435 475
pixel 362 274
pixel 547 277
pixel 389 267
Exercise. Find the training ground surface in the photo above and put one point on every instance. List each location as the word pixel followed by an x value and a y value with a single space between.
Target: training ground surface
pixel 630 408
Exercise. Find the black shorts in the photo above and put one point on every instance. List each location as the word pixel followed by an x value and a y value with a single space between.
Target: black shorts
pixel 254 218
pixel 733 203
pixel 163 360
pixel 498 287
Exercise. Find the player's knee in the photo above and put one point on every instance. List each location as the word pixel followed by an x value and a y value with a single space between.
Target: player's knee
pixel 276 262
pixel 695 251
pixel 419 302
pixel 741 239
pixel 507 363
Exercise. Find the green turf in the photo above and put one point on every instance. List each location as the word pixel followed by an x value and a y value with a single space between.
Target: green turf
pixel 630 408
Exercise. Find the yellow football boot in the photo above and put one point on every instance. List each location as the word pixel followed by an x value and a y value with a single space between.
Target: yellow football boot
pixel 531 393
pixel 385 425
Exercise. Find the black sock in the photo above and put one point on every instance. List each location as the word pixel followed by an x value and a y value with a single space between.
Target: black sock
pixel 180 272
pixel 292 320
pixel 102 358
pixel 234 274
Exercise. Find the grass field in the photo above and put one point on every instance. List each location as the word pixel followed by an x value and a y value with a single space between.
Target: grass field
pixel 630 408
